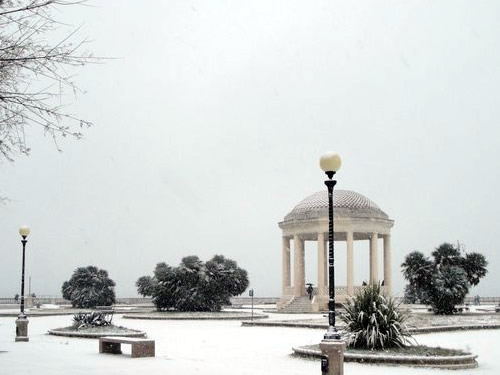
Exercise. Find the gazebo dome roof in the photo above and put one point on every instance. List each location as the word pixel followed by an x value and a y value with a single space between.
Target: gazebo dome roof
pixel 346 203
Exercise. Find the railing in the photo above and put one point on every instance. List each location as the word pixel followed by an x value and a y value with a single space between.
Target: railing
pixel 483 300
pixel 62 301
pixel 133 301
pixel 9 301
pixel 256 300
pixel 341 290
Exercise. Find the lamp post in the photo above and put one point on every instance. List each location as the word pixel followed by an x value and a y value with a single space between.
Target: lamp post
pixel 332 347
pixel 330 163
pixel 251 295
pixel 22 321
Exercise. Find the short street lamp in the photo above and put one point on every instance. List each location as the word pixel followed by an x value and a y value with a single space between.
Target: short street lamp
pixel 331 347
pixel 22 321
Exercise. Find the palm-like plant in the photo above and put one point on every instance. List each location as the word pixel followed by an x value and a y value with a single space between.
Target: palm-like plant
pixel 195 285
pixel 443 281
pixel 374 321
pixel 89 287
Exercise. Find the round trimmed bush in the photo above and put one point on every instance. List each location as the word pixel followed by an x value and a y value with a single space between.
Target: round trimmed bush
pixel 89 287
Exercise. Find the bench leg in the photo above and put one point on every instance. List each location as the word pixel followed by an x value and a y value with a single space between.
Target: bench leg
pixel 110 347
pixel 143 350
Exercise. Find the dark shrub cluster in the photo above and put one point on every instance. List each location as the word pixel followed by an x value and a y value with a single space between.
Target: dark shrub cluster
pixel 194 285
pixel 443 281
pixel 89 287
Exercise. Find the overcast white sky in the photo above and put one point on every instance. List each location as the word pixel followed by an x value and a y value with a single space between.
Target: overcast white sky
pixel 209 126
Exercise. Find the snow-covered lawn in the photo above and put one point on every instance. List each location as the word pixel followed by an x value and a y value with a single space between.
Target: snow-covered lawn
pixel 206 347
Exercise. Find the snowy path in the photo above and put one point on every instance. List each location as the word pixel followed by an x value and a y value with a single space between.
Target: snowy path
pixel 206 347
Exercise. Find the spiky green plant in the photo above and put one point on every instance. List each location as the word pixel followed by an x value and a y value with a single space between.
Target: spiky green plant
pixel 92 319
pixel 375 321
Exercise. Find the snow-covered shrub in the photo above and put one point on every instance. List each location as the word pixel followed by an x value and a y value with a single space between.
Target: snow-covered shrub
pixel 92 319
pixel 145 286
pixel 449 288
pixel 89 287
pixel 443 281
pixel 418 270
pixel 412 294
pixel 194 285
pixel 374 321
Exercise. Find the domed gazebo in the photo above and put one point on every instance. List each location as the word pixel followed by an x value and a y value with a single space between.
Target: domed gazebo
pixel 356 218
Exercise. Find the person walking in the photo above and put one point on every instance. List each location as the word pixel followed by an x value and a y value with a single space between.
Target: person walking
pixel 310 290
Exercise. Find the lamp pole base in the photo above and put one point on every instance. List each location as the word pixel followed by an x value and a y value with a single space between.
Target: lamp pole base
pixel 331 334
pixel 333 350
pixel 22 329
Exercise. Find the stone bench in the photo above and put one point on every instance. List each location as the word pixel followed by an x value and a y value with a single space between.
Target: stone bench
pixel 140 347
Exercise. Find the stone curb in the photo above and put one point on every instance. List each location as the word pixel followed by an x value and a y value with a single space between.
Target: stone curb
pixel 414 330
pixel 285 324
pixel 230 317
pixel 432 329
pixel 291 312
pixel 456 362
pixel 54 312
pixel 38 314
pixel 95 335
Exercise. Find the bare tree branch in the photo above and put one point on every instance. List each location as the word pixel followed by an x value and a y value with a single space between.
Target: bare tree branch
pixel 29 59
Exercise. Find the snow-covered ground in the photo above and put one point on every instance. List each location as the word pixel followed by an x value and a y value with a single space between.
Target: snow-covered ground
pixel 50 306
pixel 206 347
pixel 15 308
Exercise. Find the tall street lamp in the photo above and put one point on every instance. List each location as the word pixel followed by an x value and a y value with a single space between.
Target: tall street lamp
pixel 330 163
pixel 332 347
pixel 22 321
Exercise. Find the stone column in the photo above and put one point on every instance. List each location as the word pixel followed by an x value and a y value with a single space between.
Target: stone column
pixel 285 264
pixel 387 264
pixel 373 258
pixel 350 264
pixel 299 279
pixel 321 264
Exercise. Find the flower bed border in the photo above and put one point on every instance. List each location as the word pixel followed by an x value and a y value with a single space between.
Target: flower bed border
pixel 192 316
pixel 95 335
pixel 454 362
pixel 414 330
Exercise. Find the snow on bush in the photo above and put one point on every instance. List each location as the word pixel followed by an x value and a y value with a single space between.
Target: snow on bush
pixel 89 287
pixel 375 321
pixel 194 285
pixel 443 281
pixel 92 319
